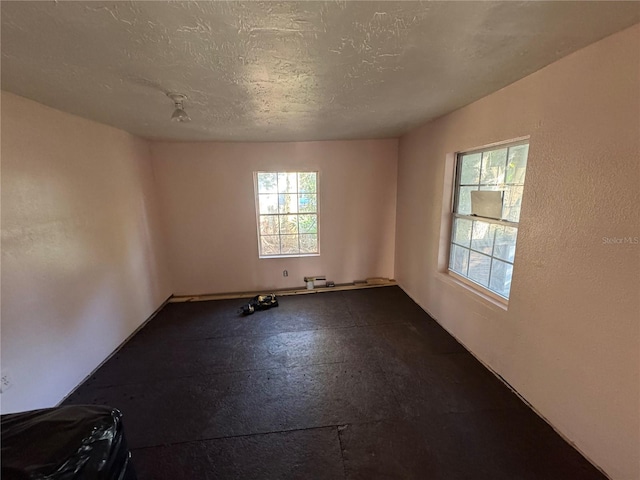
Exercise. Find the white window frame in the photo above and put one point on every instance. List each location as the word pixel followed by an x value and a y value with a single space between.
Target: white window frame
pixel 281 214
pixel 469 282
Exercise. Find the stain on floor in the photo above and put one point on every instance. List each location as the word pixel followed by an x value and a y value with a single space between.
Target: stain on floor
pixel 358 384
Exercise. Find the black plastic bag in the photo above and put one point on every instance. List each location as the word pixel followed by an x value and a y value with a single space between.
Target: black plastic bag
pixel 260 302
pixel 75 442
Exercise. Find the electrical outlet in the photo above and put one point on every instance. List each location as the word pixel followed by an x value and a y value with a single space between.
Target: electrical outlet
pixel 285 273
pixel 6 382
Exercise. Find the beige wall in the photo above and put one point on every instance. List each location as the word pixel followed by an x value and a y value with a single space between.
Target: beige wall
pixel 569 341
pixel 208 201
pixel 81 263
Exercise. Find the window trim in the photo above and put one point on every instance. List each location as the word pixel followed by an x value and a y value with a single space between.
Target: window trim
pixel 497 146
pixel 257 212
pixel 477 291
pixel 477 288
pixel 461 280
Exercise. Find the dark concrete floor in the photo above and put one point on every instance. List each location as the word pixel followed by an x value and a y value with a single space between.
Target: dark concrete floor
pixel 359 384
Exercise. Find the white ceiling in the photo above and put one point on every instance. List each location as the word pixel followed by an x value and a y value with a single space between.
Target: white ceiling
pixel 285 71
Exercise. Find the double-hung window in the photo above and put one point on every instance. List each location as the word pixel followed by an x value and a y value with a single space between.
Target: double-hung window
pixel 483 247
pixel 287 213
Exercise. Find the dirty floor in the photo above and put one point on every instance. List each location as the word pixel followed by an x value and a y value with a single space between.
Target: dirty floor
pixel 359 384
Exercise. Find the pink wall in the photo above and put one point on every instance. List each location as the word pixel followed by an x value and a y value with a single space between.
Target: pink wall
pixel 569 341
pixel 81 264
pixel 208 202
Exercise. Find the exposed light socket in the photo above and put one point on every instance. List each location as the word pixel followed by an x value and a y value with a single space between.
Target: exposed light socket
pixel 6 382
pixel 285 273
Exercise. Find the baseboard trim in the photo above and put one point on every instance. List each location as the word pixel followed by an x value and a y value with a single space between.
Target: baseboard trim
pixel 282 292
pixel 142 325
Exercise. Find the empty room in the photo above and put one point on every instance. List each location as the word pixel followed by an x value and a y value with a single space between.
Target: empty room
pixel 320 240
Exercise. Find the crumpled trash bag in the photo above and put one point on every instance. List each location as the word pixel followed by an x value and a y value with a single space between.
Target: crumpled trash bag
pixel 74 442
pixel 260 302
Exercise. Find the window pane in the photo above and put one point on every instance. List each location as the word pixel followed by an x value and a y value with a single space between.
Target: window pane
pixel 493 167
pixel 505 246
pixel 494 188
pixel 459 260
pixel 308 223
pixel 288 224
pixel 517 166
pixel 307 203
pixel 281 197
pixel 287 183
pixel 308 243
pixel 288 203
pixel 269 225
pixel 478 246
pixel 270 245
pixel 491 188
pixel 482 236
pixel 464 200
pixel 307 182
pixel 267 183
pixel 289 244
pixel 511 203
pixel 470 169
pixel 479 268
pixel 501 273
pixel 462 231
pixel 268 203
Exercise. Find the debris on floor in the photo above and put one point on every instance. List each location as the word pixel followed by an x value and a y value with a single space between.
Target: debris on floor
pixel 69 442
pixel 260 302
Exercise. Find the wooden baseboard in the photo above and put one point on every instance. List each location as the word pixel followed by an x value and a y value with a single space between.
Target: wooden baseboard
pixel 284 292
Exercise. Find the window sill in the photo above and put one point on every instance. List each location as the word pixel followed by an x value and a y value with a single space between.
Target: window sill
pixel 474 289
pixel 297 255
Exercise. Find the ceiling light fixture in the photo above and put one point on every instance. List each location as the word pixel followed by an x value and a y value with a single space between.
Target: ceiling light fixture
pixel 179 115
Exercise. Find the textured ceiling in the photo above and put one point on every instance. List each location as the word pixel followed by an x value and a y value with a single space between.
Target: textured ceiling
pixel 285 71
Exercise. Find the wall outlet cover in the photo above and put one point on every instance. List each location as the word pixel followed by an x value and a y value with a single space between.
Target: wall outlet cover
pixel 6 382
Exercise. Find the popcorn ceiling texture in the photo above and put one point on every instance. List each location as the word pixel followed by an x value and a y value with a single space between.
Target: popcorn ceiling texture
pixel 285 71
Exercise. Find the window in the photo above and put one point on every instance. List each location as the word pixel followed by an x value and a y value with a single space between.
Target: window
pixel 287 213
pixel 483 249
